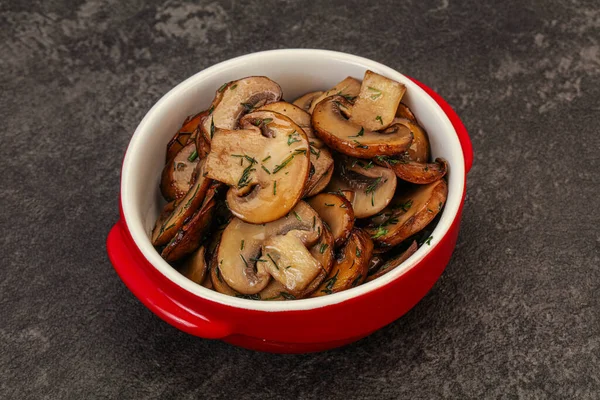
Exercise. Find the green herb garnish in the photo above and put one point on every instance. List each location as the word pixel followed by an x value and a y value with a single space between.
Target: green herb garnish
pixel 266 158
pixel 360 133
pixel 428 241
pixel 360 145
pixel 242 245
pixel 376 94
pixel 265 169
pixel 274 188
pixel 378 118
pixel 323 247
pixel 220 90
pixel 283 164
pixel 249 107
pixel 381 231
pixel 273 261
pixel 297 216
pixel 233 86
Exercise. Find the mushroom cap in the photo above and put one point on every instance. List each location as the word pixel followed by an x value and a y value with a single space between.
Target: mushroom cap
pixel 351 139
pixel 419 149
pixel 165 231
pixel 409 213
pixel 416 172
pixel 237 98
pixel 241 255
pixel 336 211
pixel 183 135
pixel 348 88
pixel 373 186
pixel 195 266
pixel 178 173
pixel 266 164
pixel 320 184
pixel 306 100
pixel 351 267
pixel 320 157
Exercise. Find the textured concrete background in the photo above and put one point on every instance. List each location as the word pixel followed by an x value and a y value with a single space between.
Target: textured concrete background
pixel 516 314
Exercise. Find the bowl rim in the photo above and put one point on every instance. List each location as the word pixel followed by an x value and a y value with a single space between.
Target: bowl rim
pixel 143 244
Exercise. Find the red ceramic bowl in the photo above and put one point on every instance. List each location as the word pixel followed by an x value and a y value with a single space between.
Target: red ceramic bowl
pixel 283 326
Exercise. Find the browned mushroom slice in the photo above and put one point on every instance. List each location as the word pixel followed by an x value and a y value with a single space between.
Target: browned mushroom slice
pixel 373 186
pixel 320 184
pixel 166 212
pixel 194 268
pixel 389 265
pixel 351 267
pixel 419 149
pixel 305 101
pixel 348 88
pixel 183 135
pixel 245 263
pixel 237 98
pixel 337 212
pixel 404 112
pixel 415 172
pixel 296 114
pixel 377 102
pixel 189 237
pixel 320 157
pixel 165 231
pixel 176 178
pixel 217 280
pixel 408 214
pixel 266 165
pixel 352 139
pixel 323 253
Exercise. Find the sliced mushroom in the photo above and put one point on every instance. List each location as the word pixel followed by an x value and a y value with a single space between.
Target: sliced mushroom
pixel 189 237
pixel 419 149
pixel 351 267
pixel 337 212
pixel 373 186
pixel 183 135
pixel 305 101
pixel 165 231
pixel 389 265
pixel 245 260
pixel 320 156
pixel 195 267
pixel 377 102
pixel 415 172
pixel 166 212
pixel 352 139
pixel 176 178
pixel 348 88
pixel 237 98
pixel 320 184
pixel 296 114
pixel 408 214
pixel 266 165
pixel 404 112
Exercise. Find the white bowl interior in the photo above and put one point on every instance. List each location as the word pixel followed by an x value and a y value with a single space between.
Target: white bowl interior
pixel 297 71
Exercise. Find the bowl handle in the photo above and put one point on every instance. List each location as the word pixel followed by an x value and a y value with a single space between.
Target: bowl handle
pixel 461 131
pixel 122 254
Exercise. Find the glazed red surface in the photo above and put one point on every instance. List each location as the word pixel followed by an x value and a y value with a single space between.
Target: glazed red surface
pixel 286 331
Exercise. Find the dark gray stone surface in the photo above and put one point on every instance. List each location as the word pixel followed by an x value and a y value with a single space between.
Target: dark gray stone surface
pixel 516 314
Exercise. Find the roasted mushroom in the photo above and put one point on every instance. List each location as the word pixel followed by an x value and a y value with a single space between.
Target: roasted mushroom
pixel 320 156
pixel 194 268
pixel 348 88
pixel 373 186
pixel 165 231
pixel 249 254
pixel 415 172
pixel 306 100
pixel 184 134
pixel 176 178
pixel 321 183
pixel 266 164
pixel 188 237
pixel 385 267
pixel 351 267
pixel 404 112
pixel 377 102
pixel 408 214
pixel 335 210
pixel 419 149
pixel 349 138
pixel 237 98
